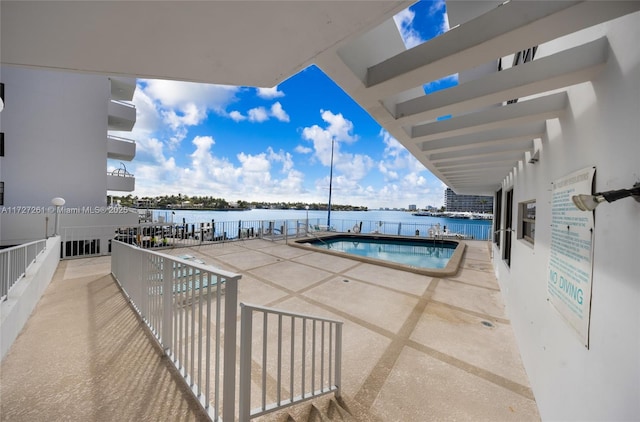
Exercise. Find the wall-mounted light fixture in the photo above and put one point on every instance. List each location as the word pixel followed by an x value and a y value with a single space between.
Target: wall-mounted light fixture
pixel 590 202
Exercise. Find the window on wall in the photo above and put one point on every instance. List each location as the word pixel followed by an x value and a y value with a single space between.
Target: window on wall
pixel 497 215
pixel 508 227
pixel 1 144
pixel 1 193
pixel 527 220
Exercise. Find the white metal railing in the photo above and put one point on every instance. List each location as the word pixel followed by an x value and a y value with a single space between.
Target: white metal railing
pixel 279 229
pixel 124 103
pixel 120 138
pixel 120 173
pixel 182 302
pixel 95 240
pixel 300 358
pixel 222 231
pixel 15 261
pixel 462 230
pixel 84 241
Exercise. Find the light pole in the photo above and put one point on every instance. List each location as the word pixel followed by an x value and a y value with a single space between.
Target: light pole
pixel 330 183
pixel 57 202
pixel 306 231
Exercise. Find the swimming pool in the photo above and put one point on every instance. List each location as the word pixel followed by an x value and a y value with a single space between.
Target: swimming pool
pixel 425 256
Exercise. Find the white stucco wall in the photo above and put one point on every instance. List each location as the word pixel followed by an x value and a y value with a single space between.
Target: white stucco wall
pixel 17 229
pixel 601 129
pixel 55 126
pixel 25 294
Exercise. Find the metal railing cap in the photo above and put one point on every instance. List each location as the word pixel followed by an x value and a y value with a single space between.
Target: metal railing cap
pixel 288 313
pixel 202 267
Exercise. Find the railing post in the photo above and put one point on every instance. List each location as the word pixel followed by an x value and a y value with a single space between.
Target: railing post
pixel 167 304
pixel 246 322
pixel 338 363
pixel 5 291
pixel 229 381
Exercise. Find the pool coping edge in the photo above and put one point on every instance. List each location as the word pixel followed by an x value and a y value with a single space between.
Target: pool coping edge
pixel 449 270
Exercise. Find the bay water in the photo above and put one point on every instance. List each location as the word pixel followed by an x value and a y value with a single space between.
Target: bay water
pixel 380 221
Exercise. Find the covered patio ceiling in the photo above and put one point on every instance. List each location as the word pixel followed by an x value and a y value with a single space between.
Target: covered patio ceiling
pixel 471 136
pixel 249 43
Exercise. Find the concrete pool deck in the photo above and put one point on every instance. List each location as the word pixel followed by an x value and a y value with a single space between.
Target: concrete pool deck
pixel 415 348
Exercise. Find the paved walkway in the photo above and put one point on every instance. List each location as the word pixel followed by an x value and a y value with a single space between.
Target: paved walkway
pixel 85 356
pixel 416 348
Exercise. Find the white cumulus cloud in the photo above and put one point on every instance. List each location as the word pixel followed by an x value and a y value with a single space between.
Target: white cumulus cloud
pixel 237 116
pixel 269 93
pixel 404 22
pixel 339 127
pixel 258 114
pixel 278 112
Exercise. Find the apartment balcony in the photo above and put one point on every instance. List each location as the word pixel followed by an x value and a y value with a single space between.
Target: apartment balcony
pixel 120 148
pixel 122 88
pixel 121 180
pixel 122 116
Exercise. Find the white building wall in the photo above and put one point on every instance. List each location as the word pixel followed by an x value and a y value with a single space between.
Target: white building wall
pixel 601 129
pixel 55 124
pixel 25 294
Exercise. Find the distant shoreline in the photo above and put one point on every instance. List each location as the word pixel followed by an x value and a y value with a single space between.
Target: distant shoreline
pixel 243 209
pixel 195 209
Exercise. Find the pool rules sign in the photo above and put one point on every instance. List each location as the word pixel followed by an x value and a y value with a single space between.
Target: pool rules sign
pixel 571 252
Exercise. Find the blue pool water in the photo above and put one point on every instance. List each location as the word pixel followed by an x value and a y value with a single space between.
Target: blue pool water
pixel 411 252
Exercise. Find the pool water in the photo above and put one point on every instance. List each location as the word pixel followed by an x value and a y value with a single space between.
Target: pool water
pixel 421 254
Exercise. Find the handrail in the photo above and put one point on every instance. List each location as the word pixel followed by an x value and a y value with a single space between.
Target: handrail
pixel 120 138
pixel 323 366
pixel 14 263
pixel 130 105
pixel 181 303
pixel 120 173
pixel 317 238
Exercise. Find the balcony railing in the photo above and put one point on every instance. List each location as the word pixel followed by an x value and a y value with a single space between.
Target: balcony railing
pixel 122 88
pixel 120 148
pixel 122 116
pixel 14 263
pixel 121 180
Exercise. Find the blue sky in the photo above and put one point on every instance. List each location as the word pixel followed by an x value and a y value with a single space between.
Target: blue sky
pixel 274 144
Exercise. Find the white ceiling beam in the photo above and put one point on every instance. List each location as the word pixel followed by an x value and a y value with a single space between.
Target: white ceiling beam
pixel 491 151
pixel 500 136
pixel 502 31
pixel 501 169
pixel 542 108
pixel 474 164
pixel 565 68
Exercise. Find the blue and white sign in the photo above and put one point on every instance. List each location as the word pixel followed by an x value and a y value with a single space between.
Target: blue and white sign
pixel 571 252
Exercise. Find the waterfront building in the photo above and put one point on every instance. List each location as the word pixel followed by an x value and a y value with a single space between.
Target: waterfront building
pixel 467 203
pixel 547 101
